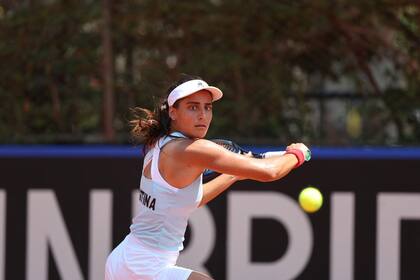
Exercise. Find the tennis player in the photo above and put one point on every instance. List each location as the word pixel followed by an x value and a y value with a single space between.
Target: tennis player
pixel 171 185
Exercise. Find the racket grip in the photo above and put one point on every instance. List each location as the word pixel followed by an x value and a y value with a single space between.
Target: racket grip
pixel 274 154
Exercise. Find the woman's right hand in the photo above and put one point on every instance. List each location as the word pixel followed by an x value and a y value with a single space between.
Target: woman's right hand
pixel 302 148
pixel 299 146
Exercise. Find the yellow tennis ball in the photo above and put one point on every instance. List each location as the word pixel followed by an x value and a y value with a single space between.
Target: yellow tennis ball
pixel 310 199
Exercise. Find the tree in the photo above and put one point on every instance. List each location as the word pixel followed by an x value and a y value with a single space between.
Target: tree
pixel 273 60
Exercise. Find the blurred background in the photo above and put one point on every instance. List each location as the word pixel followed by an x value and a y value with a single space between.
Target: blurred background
pixel 342 76
pixel 325 72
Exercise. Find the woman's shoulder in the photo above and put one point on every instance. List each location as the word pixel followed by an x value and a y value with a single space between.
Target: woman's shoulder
pixel 187 143
pixel 181 147
pixel 183 143
pixel 191 150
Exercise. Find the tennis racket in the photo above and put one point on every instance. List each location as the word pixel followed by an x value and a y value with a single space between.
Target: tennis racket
pixel 235 148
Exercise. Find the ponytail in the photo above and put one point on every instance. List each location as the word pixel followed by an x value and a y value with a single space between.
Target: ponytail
pixel 147 126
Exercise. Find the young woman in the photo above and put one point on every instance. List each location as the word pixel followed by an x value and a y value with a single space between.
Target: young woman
pixel 171 185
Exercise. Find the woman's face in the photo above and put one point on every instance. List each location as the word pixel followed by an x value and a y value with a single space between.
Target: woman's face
pixel 193 114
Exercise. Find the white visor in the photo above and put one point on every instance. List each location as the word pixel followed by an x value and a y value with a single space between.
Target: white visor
pixel 190 87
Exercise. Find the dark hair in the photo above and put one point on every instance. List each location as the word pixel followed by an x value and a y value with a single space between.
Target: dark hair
pixel 148 126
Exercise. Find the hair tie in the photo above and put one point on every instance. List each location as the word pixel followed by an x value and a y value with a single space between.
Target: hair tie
pixel 164 106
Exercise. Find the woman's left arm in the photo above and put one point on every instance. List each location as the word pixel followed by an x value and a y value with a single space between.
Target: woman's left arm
pixel 213 188
pixel 216 186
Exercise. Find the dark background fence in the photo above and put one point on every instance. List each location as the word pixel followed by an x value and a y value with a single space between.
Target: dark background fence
pixel 66 207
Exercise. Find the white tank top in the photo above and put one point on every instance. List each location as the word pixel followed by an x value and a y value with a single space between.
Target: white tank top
pixel 164 210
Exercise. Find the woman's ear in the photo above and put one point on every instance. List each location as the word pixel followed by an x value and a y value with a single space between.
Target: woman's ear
pixel 172 113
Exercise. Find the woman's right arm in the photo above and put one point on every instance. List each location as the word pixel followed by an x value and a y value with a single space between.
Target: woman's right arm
pixel 204 154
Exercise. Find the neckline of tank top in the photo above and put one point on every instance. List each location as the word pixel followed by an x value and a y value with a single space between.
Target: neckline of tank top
pixel 177 134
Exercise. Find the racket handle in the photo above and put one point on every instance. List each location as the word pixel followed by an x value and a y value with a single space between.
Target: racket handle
pixel 273 154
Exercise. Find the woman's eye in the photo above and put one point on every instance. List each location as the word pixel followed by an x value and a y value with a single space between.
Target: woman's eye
pixel 209 108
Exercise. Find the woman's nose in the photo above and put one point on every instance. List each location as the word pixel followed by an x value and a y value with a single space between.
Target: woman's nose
pixel 202 113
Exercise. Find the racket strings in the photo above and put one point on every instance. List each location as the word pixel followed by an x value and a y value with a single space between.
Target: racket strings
pixel 228 145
